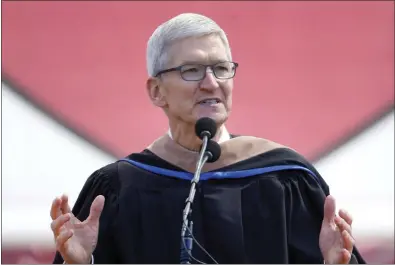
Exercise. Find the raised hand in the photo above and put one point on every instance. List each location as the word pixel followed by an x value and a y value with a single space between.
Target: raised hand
pixel 75 240
pixel 336 241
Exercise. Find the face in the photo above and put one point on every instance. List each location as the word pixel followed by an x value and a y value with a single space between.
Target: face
pixel 187 101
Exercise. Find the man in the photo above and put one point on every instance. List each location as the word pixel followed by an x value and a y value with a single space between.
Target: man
pixel 130 211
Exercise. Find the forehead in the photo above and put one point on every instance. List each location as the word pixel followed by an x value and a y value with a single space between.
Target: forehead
pixel 205 50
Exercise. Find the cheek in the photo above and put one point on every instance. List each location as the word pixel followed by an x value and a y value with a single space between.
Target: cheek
pixel 182 98
pixel 227 90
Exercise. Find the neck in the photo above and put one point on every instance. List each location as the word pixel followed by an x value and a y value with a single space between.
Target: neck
pixel 186 137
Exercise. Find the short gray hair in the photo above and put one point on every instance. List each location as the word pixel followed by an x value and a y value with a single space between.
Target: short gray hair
pixel 180 27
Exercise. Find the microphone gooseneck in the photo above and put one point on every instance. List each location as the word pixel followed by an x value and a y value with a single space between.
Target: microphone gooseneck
pixel 210 152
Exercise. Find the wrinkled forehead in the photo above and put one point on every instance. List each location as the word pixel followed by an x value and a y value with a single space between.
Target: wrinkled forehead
pixel 202 50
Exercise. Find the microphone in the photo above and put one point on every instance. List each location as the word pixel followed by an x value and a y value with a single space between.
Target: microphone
pixel 210 152
pixel 213 151
pixel 205 127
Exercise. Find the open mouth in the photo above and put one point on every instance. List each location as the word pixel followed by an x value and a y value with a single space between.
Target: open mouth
pixel 209 101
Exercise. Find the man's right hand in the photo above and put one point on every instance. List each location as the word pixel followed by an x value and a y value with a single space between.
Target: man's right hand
pixel 75 240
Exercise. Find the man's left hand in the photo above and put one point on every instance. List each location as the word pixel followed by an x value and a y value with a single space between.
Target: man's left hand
pixel 336 241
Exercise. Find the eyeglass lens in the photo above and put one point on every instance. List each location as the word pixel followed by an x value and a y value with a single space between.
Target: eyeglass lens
pixel 197 72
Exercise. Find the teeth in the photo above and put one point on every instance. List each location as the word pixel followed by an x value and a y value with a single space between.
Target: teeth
pixel 209 101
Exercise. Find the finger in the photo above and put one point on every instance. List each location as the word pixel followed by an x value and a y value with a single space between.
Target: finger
pixel 348 241
pixel 74 221
pixel 342 224
pixel 96 209
pixel 65 208
pixel 59 222
pixel 345 257
pixel 55 209
pixel 62 238
pixel 329 208
pixel 346 216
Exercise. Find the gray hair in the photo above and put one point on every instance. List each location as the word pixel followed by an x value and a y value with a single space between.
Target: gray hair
pixel 180 27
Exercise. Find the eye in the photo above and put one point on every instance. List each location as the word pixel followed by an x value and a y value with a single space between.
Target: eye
pixel 190 70
pixel 221 68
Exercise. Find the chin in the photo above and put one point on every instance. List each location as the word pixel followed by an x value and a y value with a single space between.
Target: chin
pixel 219 118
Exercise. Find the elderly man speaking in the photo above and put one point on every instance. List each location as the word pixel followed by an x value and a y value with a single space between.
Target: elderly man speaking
pixel 199 194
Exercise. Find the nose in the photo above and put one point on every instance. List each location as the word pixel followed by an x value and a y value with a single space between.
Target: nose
pixel 209 82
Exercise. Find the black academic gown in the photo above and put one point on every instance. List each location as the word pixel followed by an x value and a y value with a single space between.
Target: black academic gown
pixel 272 217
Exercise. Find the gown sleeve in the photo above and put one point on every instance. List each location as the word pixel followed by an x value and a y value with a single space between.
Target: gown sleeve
pixel 102 182
pixel 305 196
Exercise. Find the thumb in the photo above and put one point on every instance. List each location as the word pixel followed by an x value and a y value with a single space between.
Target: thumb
pixel 329 209
pixel 96 209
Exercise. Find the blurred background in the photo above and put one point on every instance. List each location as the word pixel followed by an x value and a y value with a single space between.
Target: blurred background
pixel 316 76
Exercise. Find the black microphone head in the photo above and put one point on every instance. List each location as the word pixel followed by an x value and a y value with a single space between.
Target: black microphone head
pixel 213 151
pixel 205 127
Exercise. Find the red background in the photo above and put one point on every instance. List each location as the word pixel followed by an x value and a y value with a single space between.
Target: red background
pixel 310 72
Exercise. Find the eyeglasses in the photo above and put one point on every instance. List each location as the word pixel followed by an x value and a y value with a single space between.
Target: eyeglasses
pixel 197 72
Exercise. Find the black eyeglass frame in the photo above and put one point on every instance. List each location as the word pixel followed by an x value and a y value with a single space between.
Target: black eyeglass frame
pixel 178 68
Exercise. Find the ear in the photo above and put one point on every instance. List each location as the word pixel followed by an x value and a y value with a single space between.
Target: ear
pixel 155 92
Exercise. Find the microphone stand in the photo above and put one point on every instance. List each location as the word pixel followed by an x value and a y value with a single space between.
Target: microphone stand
pixel 186 234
